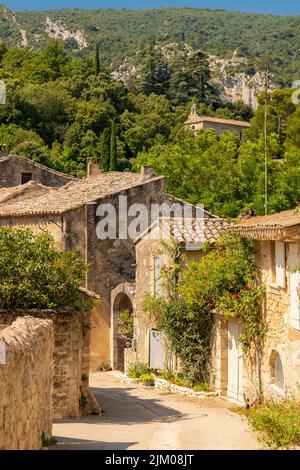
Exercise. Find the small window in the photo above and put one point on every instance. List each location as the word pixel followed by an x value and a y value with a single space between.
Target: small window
pixel 277 375
pixel 26 177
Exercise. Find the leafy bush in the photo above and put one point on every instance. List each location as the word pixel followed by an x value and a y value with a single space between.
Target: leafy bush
pixel 166 375
pixel 33 274
pixel 47 441
pixel 278 422
pixel 202 387
pixel 147 379
pixel 137 370
pixel 224 281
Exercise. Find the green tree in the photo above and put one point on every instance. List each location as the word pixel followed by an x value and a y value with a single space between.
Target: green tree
pixel 97 61
pixel 113 166
pixel 104 149
pixel 34 275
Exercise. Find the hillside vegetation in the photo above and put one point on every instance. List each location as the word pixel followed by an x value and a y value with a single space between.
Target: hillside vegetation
pixel 120 33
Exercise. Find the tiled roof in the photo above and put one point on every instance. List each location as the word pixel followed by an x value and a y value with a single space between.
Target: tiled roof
pixel 197 231
pixel 268 227
pixel 195 119
pixel 30 190
pixel 76 194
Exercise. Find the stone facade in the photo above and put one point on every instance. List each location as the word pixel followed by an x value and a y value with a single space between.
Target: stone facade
pixel 71 361
pixel 26 384
pixel 280 338
pixel 198 123
pixel 277 368
pixel 16 170
pixel 111 262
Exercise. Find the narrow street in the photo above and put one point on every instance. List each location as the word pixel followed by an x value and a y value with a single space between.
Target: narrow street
pixel 139 418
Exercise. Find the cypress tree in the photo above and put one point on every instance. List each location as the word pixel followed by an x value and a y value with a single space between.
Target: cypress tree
pixel 113 148
pixel 97 61
pixel 104 149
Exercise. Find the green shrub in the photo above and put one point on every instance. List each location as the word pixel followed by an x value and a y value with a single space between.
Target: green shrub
pixel 147 379
pixel 201 387
pixel 137 370
pixel 166 375
pixel 279 423
pixel 35 275
pixel 47 441
pixel 181 381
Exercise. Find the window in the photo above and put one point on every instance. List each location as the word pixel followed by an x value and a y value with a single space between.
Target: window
pixel 279 265
pixel 26 177
pixel 277 375
pixel 158 282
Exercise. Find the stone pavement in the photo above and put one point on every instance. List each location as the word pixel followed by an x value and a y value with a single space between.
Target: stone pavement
pixel 136 417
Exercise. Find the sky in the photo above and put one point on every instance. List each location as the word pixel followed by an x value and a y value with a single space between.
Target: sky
pixel 280 7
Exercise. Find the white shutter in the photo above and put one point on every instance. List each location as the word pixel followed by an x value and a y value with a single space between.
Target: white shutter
pixel 280 263
pixel 294 284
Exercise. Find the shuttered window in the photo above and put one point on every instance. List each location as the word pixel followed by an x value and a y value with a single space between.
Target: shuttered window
pixel 280 269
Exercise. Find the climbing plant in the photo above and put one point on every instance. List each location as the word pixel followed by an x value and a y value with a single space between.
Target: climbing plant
pixel 224 281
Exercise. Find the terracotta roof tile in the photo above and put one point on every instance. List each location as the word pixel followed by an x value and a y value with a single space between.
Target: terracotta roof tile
pixel 197 231
pixel 267 227
pixel 76 194
pixel 195 119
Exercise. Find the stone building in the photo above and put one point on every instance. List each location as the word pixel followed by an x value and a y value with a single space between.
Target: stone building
pixel 198 123
pixel 276 240
pixel 16 170
pixel 71 215
pixel 151 255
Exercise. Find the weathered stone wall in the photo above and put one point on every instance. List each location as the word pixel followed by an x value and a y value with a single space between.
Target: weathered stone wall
pixel 26 384
pixel 12 168
pixel 71 359
pixel 280 336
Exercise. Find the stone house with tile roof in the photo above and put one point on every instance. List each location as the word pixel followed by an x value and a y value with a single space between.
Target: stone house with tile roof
pixel 276 244
pixel 151 255
pixel 69 214
pixel 197 123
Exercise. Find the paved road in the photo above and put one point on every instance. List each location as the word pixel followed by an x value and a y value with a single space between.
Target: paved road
pixel 139 418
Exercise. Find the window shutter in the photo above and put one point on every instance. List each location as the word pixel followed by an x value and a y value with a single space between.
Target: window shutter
pixel 280 264
pixel 294 283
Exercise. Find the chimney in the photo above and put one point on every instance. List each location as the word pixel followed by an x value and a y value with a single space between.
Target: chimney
pixel 147 172
pixel 92 167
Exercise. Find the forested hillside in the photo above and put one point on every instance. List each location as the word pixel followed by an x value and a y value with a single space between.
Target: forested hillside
pixel 120 33
pixel 63 107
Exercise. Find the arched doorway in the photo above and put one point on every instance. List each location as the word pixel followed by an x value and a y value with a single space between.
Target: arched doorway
pixel 122 301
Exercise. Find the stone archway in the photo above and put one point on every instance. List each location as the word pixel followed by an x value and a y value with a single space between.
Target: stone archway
pixel 122 298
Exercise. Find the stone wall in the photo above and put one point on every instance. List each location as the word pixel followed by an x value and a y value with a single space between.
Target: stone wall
pixel 26 384
pixel 71 360
pixel 280 337
pixel 12 167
